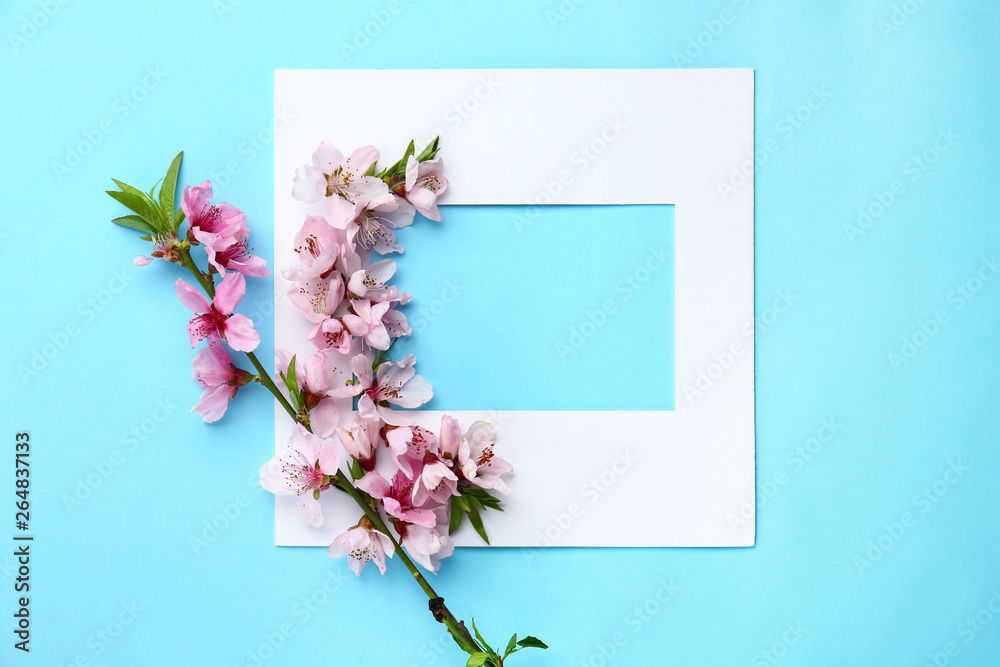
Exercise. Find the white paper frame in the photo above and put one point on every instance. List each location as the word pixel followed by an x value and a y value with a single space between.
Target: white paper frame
pixel 678 478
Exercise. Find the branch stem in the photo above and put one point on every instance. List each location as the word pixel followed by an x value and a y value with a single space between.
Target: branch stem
pixel 456 627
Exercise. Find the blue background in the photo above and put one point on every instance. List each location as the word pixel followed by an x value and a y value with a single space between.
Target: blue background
pixel 871 548
pixel 536 308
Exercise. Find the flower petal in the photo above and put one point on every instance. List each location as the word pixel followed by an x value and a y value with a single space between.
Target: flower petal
pixel 240 334
pixel 374 485
pixel 310 511
pixel 272 476
pixel 414 393
pixel 210 367
pixel 213 403
pixel 325 417
pixel 195 199
pixel 306 444
pixel 191 297
pixel 229 292
pixel 327 157
pixel 309 184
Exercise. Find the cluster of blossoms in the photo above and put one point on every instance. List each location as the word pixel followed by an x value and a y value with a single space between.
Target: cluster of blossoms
pixel 413 487
pixel 222 230
pixel 356 317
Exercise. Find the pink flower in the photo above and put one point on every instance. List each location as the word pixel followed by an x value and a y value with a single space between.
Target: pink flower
pixel 331 334
pixel 395 323
pixel 394 383
pixel 361 544
pixel 450 442
pixel 408 445
pixel 372 225
pixel 476 459
pixel 321 383
pixel 317 245
pixel 428 546
pixel 362 440
pixel 333 175
pixel 365 322
pixel 142 260
pixel 217 320
pixel 215 371
pixel 369 282
pixel 435 482
pixel 302 468
pixel 217 225
pixel 236 257
pixel 397 498
pixel 425 182
pixel 318 298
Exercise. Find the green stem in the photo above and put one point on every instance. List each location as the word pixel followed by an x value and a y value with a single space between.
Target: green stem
pixel 457 628
pixel 188 263
pixel 264 377
pixel 266 380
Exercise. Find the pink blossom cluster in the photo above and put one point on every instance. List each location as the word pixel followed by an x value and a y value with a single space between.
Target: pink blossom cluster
pixel 222 230
pixel 412 491
pixel 355 317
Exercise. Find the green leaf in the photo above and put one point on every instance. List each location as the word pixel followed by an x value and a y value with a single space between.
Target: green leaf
pixel 430 151
pixel 169 189
pixel 531 642
pixel 485 498
pixel 371 170
pixel 456 517
pixel 292 383
pixel 293 395
pixel 133 222
pixel 125 187
pixel 138 204
pixel 478 636
pixel 357 472
pixel 178 218
pixel 477 660
pixel 489 652
pixel 511 646
pixel 401 165
pixel 477 523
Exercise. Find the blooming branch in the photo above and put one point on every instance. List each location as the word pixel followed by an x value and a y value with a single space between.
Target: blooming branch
pixel 413 487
